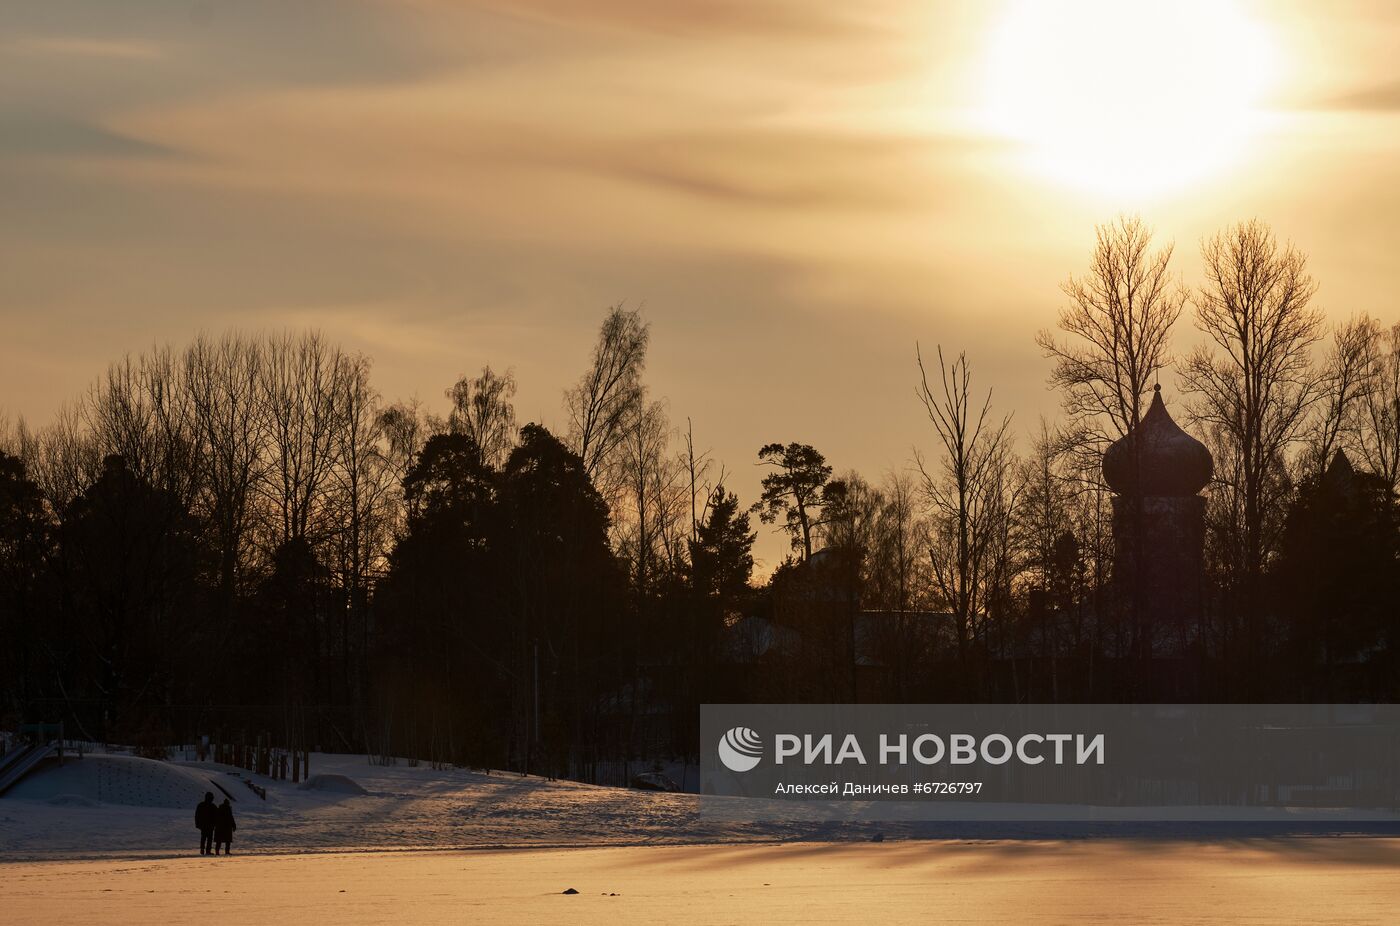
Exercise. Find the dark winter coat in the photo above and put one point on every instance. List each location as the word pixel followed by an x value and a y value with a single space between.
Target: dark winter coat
pixel 206 815
pixel 224 824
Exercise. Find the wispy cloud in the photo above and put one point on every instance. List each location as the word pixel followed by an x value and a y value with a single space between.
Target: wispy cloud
pixel 1376 98
pixel 73 46
pixel 786 19
pixel 52 135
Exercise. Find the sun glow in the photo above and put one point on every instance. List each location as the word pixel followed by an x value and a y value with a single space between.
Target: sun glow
pixel 1124 97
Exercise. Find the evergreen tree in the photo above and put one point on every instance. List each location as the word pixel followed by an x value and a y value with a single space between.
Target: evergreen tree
pixel 563 592
pixel 443 642
pixel 721 555
pixel 25 544
pixel 128 567
pixel 795 490
pixel 1337 580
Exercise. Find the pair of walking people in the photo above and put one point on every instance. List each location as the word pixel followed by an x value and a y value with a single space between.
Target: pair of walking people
pixel 215 824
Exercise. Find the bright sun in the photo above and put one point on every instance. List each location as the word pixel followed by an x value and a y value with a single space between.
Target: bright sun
pixel 1126 97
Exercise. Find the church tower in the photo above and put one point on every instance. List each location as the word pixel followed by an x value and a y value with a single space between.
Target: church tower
pixel 1157 472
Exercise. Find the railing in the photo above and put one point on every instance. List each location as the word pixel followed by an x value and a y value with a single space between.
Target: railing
pixel 20 762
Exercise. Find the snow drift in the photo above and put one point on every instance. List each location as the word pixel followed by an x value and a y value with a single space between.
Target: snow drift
pixel 125 780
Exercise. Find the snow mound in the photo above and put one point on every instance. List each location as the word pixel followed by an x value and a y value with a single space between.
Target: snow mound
pixel 336 784
pixel 124 780
pixel 72 800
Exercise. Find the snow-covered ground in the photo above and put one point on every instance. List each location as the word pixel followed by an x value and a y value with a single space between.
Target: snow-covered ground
pixel 126 807
pixel 110 839
pixel 1353 881
pixel 123 807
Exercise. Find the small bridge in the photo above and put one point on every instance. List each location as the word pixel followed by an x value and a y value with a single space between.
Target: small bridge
pixel 39 741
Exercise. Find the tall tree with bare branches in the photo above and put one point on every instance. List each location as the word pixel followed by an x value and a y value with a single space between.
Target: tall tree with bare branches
pixel 967 489
pixel 1345 385
pixel 299 384
pixel 482 410
pixel 362 504
pixel 1119 318
pixel 1253 385
pixel 1379 426
pixel 608 394
pixel 651 522
pixel 223 376
pixel 141 410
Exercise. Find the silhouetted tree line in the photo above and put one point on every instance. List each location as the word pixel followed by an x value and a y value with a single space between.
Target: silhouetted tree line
pixel 241 535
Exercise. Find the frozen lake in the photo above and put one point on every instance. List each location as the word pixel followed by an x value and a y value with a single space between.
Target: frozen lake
pixel 111 840
pixel 1269 881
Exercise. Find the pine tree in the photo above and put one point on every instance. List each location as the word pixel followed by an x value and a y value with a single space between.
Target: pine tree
pixel 721 556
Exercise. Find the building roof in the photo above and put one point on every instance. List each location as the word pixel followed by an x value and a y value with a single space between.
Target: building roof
pixel 1157 457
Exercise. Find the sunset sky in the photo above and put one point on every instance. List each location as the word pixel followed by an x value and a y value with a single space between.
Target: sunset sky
pixel 796 190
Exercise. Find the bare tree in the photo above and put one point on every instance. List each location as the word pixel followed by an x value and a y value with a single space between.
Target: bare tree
pixel 1345 387
pixel 848 530
pixel 651 527
pixel 1092 516
pixel 223 377
pixel 1004 562
pixel 66 460
pixel 172 410
pixel 1253 385
pixel 1379 425
pixel 1056 525
pixel 405 431
pixel 11 435
pixel 117 415
pixel 1045 513
pixel 142 410
pixel 898 541
pixel 298 384
pixel 851 522
pixel 967 492
pixel 897 577
pixel 702 487
pixel 600 405
pixel 482 410
pixel 1119 317
pixel 361 502
pixel 16 441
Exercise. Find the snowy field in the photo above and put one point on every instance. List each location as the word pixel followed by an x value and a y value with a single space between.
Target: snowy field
pixel 1143 882
pixel 121 807
pixel 110 839
pixel 117 806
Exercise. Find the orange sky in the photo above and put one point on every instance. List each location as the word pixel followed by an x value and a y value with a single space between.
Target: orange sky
pixel 796 190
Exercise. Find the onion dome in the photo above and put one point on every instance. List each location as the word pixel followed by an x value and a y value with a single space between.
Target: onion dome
pixel 1157 457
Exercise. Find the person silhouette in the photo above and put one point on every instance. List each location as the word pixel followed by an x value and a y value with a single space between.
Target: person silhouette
pixel 224 825
pixel 206 816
